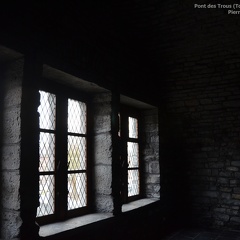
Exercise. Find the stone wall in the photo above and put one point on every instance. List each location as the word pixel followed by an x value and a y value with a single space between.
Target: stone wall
pixel 102 157
pixel 205 123
pixel 151 153
pixel 106 161
pixel 11 79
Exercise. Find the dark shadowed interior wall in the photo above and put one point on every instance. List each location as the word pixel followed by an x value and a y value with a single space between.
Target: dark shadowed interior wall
pixel 183 59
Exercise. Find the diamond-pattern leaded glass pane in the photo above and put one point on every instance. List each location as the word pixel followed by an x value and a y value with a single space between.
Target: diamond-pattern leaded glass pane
pixel 133 154
pixel 76 153
pixel 76 116
pixel 46 192
pixel 77 190
pixel 46 151
pixel 47 110
pixel 133 127
pixel 133 182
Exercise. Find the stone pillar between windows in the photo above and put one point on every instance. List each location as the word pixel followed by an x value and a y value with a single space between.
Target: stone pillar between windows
pixel 117 180
pixel 11 97
pixel 29 179
pixel 151 153
pixel 102 159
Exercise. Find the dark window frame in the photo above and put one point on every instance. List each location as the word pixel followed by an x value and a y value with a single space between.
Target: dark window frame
pixel 125 112
pixel 63 93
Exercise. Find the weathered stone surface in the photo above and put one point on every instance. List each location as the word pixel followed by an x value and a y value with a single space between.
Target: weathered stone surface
pixel 104 98
pixel 235 219
pixel 103 179
pixel 10 157
pixel 13 97
pixel 102 124
pixel 11 224
pixel 233 169
pixel 236 196
pixel 103 148
pixel 153 179
pixel 154 167
pixel 13 82
pixel 11 187
pixel 104 203
pixel 235 163
pixel 10 150
pixel 12 126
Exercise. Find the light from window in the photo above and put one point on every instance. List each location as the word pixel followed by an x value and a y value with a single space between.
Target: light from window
pixel 75 125
pixel 133 158
pixel 133 127
pixel 77 117
pixel 46 111
pixel 77 155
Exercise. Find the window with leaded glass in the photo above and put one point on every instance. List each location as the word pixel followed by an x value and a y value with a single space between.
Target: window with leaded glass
pixel 62 157
pixel 77 154
pixel 130 154
pixel 47 135
pixel 133 157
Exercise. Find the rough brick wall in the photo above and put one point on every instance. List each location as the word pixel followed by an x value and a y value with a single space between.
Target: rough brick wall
pixel 201 98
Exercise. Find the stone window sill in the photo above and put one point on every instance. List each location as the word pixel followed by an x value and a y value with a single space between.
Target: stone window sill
pixel 56 228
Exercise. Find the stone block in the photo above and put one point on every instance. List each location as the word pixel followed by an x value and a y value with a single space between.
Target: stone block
pixel 154 139
pixel 235 219
pixel 102 124
pixel 220 210
pixel 232 169
pixel 225 189
pixel 223 181
pixel 236 196
pixel 216 165
pixel 234 182
pixel 14 75
pixel 154 167
pixel 204 172
pixel 225 174
pixel 103 149
pixel 11 157
pixel 232 212
pixel 11 126
pixel 153 190
pixel 222 217
pixel 13 97
pixel 206 101
pixel 153 179
pixel 191 103
pixel 226 195
pixel 11 224
pixel 102 98
pixel 211 194
pixel 214 172
pixel 103 179
pixel 236 190
pixel 104 203
pixel 10 190
pixel 235 163
pixel 232 104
